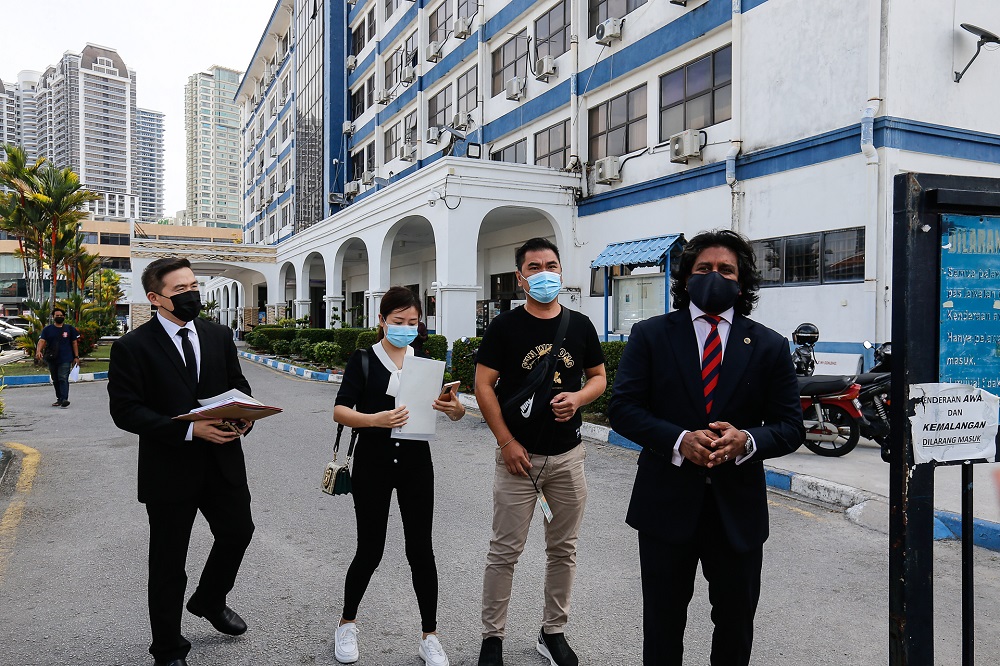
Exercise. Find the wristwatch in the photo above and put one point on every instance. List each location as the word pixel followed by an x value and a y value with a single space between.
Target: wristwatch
pixel 749 447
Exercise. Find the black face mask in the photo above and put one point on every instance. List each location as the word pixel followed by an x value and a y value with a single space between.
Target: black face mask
pixel 59 320
pixel 713 293
pixel 187 305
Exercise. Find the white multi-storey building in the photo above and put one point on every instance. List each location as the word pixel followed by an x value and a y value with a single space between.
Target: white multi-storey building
pixel 212 127
pixel 148 164
pixel 449 131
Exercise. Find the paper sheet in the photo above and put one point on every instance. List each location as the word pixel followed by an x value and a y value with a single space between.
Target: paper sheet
pixel 419 385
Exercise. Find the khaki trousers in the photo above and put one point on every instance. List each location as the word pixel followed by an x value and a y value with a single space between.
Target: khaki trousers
pixel 561 478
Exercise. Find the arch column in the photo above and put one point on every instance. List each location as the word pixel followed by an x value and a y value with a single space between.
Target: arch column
pixel 301 308
pixel 334 306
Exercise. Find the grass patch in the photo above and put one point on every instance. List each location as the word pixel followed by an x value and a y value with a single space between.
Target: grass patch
pixel 100 351
pixel 22 368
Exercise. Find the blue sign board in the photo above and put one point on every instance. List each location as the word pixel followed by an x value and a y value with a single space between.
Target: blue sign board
pixel 970 301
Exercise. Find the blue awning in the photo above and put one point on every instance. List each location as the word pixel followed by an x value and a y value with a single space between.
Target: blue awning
pixel 637 253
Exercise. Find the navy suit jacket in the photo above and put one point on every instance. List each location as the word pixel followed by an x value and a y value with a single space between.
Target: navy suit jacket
pixel 148 385
pixel 658 394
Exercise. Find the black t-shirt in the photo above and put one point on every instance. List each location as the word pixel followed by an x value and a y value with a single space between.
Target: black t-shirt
pixel 60 338
pixel 375 445
pixel 514 342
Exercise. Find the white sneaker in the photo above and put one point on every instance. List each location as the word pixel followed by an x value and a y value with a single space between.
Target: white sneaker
pixel 346 641
pixel 431 651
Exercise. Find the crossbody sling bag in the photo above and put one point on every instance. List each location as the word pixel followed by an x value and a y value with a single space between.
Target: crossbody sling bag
pixel 337 478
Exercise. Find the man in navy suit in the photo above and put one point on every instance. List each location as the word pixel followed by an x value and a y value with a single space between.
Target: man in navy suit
pixel 709 395
pixel 159 371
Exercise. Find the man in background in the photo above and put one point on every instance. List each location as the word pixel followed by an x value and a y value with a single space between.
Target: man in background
pixel 58 346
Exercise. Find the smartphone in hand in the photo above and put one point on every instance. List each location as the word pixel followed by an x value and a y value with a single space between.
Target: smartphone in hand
pixel 446 391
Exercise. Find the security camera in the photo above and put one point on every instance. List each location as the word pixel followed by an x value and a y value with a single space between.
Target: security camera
pixel 432 198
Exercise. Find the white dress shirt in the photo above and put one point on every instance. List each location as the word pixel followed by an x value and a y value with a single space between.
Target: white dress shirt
pixel 171 328
pixel 702 327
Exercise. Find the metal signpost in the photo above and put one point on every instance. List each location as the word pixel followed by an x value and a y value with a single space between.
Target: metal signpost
pixel 946 378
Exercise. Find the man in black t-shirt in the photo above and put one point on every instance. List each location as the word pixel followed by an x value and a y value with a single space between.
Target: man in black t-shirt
pixel 542 461
pixel 60 339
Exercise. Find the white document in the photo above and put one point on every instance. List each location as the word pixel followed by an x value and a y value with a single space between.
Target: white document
pixel 229 397
pixel 74 374
pixel 419 385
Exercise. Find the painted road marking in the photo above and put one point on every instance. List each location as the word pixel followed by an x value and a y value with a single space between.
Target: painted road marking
pixel 12 516
pixel 802 512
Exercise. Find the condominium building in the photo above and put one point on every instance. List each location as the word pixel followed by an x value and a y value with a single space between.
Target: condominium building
pixel 8 115
pixel 212 129
pixel 148 164
pixel 18 119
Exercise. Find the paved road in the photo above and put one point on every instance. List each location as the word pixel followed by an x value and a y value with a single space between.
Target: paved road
pixel 72 571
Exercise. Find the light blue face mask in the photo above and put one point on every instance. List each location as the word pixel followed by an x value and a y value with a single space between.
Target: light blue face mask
pixel 400 336
pixel 544 286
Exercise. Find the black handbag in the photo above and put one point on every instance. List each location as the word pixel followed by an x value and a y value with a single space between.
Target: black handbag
pixel 337 478
pixel 529 405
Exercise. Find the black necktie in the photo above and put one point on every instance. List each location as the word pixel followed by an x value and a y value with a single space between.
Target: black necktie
pixel 189 358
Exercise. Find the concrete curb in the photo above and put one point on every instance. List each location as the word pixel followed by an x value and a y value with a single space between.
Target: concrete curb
pixel 34 380
pixel 295 370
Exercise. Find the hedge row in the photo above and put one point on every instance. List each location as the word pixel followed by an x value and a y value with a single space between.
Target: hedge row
pixel 262 338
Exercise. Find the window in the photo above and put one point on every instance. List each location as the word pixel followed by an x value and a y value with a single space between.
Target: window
pixel 393 68
pixel 467 8
pixel 410 127
pixel 437 23
pixel 270 224
pixel 363 160
pixel 618 126
pixel 411 49
pixel 468 91
pixel 552 146
pixel 286 128
pixel 552 32
pixel 358 38
pixel 698 94
pixel 516 152
pixel 392 136
pixel 601 10
pixel 510 60
pixel 371 24
pixel 357 102
pixel 89 237
pixel 439 108
pixel 370 90
pixel 391 6
pixel 284 88
pixel 818 258
pixel 114 239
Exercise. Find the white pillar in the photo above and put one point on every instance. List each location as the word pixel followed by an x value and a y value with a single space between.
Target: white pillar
pixel 373 301
pixel 334 306
pixel 301 308
pixel 456 311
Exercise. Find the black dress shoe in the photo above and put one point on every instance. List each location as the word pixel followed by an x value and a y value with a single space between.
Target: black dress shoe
pixel 225 621
pixel 491 652
pixel 172 662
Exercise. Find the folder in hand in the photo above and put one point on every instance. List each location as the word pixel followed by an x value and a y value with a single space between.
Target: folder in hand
pixel 231 405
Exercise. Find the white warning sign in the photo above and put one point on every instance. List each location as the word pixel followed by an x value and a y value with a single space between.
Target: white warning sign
pixel 953 422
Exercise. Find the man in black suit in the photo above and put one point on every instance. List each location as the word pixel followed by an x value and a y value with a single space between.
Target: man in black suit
pixel 709 395
pixel 158 371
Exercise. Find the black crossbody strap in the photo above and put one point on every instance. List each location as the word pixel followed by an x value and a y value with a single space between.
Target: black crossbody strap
pixel 340 426
pixel 560 338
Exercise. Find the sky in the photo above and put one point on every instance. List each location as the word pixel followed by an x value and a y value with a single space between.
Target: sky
pixel 163 42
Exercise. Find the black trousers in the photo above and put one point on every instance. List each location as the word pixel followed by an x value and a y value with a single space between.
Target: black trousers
pixel 227 510
pixel 372 489
pixel 668 574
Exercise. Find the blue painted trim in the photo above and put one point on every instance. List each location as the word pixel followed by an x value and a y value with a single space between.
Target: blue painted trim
pixel 361 71
pixel 291 369
pixel 747 5
pixel 985 533
pixel 618 440
pixel 778 479
pixel 527 111
pixel 263 36
pixel 506 16
pixel 402 25
pixel 685 182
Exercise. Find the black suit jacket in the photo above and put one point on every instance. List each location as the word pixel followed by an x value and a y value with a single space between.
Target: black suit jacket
pixel 658 394
pixel 148 385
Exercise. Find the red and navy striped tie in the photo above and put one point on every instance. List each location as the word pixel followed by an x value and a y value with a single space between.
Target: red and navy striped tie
pixel 711 360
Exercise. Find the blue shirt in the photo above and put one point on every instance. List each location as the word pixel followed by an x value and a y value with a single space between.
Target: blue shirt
pixel 63 336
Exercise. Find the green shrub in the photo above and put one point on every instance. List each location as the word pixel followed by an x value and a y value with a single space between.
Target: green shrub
pixel 272 334
pixel 90 333
pixel 258 341
pixel 347 339
pixel 326 353
pixel 612 356
pixel 315 335
pixel 437 347
pixel 463 363
pixel 366 339
pixel 281 347
pixel 295 346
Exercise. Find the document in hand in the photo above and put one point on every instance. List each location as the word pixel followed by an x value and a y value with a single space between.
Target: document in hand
pixel 230 405
pixel 419 385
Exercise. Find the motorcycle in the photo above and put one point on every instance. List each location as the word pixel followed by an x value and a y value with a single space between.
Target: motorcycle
pixel 831 408
pixel 874 397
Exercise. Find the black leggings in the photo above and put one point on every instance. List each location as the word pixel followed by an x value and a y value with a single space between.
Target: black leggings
pixel 372 490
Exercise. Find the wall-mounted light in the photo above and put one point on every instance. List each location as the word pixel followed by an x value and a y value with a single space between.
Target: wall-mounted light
pixel 474 150
pixel 682 3
pixel 985 37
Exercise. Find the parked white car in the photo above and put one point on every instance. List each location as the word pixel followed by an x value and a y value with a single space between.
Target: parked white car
pixel 10 329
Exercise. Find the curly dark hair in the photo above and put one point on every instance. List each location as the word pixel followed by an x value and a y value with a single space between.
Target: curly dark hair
pixel 746 264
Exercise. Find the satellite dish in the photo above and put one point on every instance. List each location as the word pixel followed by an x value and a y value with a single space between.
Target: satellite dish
pixel 983 35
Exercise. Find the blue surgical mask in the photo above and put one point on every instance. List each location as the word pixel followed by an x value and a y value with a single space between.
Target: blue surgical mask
pixel 544 286
pixel 400 336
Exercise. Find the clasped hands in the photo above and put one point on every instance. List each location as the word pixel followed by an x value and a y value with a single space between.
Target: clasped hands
pixel 720 443
pixel 219 431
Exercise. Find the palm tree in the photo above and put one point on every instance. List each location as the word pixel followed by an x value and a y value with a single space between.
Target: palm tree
pixel 19 217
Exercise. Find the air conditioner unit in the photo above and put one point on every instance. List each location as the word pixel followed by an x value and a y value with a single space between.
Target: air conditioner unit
pixel 351 188
pixel 433 134
pixel 462 27
pixel 608 31
pixel 608 170
pixel 545 67
pixel 268 201
pixel 685 145
pixel 348 128
pixel 515 88
pixel 433 52
pixel 283 100
pixel 383 97
pixel 409 74
pixel 352 63
pixel 335 198
pixel 408 152
pixel 367 177
pixel 460 121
